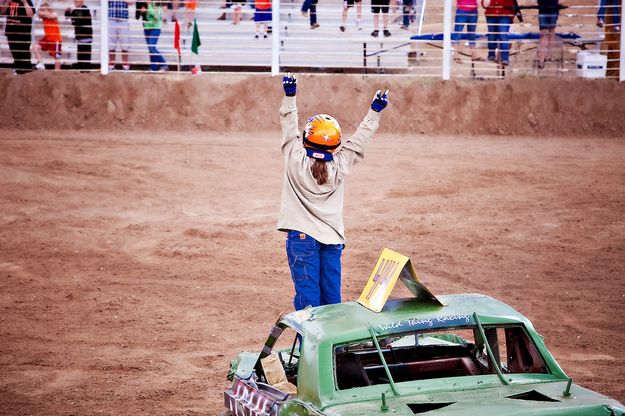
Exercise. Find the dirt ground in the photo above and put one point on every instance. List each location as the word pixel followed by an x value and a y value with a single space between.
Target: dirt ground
pixel 136 262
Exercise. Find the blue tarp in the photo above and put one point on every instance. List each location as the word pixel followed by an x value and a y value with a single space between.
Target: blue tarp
pixel 511 36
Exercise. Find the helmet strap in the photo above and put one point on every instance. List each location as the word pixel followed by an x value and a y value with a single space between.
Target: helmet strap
pixel 319 154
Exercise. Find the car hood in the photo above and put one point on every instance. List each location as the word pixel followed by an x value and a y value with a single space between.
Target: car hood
pixel 525 400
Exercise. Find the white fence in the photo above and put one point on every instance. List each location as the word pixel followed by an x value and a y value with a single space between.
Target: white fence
pixel 423 47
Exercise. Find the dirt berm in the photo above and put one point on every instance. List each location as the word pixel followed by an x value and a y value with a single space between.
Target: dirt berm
pixel 227 102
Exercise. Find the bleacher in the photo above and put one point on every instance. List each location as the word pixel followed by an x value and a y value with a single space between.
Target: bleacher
pixel 232 47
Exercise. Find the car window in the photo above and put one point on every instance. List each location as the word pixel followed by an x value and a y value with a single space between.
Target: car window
pixel 283 349
pixel 449 352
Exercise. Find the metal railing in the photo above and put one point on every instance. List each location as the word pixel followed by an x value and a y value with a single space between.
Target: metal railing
pixel 422 41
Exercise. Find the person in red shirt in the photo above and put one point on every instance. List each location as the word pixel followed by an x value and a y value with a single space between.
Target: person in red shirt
pixel 499 15
pixel 51 40
pixel 262 17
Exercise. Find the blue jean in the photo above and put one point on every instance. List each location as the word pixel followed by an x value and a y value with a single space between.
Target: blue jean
pixel 498 29
pixel 315 270
pixel 465 18
pixel 156 59
pixel 614 10
pixel 311 6
pixel 548 21
pixel 406 6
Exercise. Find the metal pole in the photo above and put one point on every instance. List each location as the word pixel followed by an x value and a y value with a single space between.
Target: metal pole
pixel 622 47
pixel 275 37
pixel 421 16
pixel 104 37
pixel 447 41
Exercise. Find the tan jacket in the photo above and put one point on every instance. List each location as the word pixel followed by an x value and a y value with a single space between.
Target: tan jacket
pixel 317 210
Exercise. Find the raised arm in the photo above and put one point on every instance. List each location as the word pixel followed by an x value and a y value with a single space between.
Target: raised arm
pixel 288 113
pixel 354 149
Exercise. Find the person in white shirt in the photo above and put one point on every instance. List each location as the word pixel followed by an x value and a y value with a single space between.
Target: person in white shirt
pixel 316 165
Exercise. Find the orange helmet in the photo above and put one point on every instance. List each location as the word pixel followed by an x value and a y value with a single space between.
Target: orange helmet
pixel 322 132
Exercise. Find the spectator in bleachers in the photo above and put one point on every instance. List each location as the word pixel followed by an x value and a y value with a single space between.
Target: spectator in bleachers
pixel 411 12
pixel 377 7
pixel 237 5
pixel 189 12
pixel 309 9
pixel 83 31
pixel 548 11
pixel 18 30
pixel 51 42
pixel 611 7
pixel 407 6
pixel 347 4
pixel 152 21
pixel 227 4
pixel 119 32
pixel 499 15
pixel 466 14
pixel 262 17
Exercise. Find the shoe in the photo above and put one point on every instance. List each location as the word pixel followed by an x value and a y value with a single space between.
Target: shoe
pixel 257 36
pixel 111 67
pixel 404 27
pixel 358 24
pixel 163 68
pixel 222 17
pixel 40 66
pixel 265 36
pixel 600 22
pixel 386 33
pixel 506 63
pixel 375 33
pixel 314 26
pixel 342 28
pixel 126 68
pixel 305 14
pixel 492 58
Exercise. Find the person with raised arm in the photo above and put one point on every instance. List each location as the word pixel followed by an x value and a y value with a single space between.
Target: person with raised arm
pixel 316 163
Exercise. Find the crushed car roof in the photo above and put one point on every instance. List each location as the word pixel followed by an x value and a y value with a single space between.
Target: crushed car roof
pixel 350 320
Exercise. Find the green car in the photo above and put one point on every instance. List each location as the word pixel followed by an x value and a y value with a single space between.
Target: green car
pixel 474 355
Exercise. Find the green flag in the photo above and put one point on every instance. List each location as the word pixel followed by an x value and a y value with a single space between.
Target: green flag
pixel 196 38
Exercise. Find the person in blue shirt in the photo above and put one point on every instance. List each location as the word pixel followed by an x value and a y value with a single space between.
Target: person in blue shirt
pixel 119 32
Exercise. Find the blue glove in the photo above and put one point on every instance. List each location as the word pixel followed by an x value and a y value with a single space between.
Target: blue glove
pixel 380 100
pixel 289 83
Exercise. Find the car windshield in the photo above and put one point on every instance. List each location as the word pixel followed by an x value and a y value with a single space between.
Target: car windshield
pixel 448 352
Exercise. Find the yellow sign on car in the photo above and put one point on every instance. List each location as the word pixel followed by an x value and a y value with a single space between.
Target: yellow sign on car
pixel 390 267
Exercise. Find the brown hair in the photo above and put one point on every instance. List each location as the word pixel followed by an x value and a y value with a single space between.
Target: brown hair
pixel 319 171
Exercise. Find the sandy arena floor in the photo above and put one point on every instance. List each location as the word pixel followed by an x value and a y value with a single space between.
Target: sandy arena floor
pixel 135 266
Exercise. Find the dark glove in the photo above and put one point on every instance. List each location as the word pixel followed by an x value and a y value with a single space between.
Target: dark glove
pixel 380 100
pixel 289 83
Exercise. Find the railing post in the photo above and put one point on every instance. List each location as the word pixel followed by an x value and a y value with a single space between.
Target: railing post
pixel 447 41
pixel 621 76
pixel 104 37
pixel 275 37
